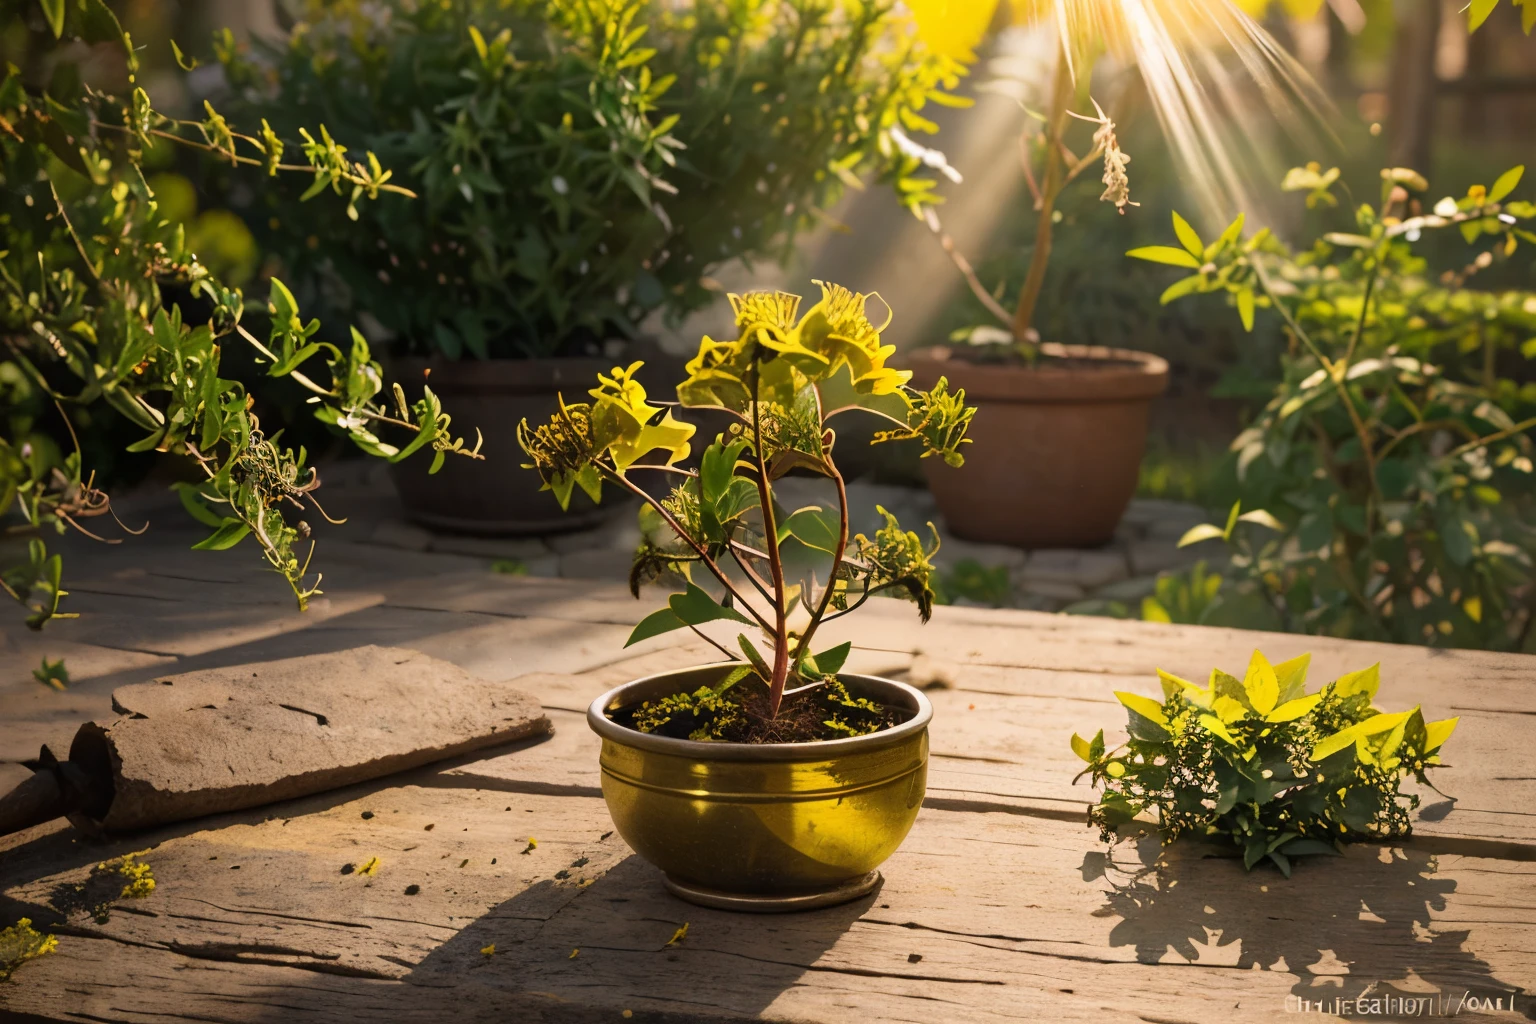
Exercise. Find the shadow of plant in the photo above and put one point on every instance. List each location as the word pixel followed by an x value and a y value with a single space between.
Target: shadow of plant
pixel 1363 924
pixel 572 952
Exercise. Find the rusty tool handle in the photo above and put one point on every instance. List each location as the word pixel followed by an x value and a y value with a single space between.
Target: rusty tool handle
pixel 35 801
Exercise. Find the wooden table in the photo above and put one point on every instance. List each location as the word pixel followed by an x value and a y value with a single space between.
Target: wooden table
pixel 1002 904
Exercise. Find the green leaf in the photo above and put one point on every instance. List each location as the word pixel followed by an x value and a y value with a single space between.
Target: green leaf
pixel 53 11
pixel 830 662
pixel 1506 182
pixel 814 527
pixel 658 622
pixel 1165 254
pixel 692 607
pixel 1188 237
pixel 230 533
pixel 191 501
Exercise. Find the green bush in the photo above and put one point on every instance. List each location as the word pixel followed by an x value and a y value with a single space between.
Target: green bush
pixel 1262 767
pixel 1391 470
pixel 582 163
pixel 86 326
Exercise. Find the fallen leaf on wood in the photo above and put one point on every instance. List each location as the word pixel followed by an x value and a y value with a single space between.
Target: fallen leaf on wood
pixel 533 844
pixel 679 935
pixel 489 950
pixel 573 954
pixel 370 867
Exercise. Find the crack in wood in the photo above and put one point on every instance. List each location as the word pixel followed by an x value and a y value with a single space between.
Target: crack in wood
pixel 940 803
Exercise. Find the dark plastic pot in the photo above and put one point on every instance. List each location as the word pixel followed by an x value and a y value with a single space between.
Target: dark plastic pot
pixel 1056 447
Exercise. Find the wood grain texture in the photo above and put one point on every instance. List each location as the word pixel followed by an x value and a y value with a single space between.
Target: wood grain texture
pixel 1002 904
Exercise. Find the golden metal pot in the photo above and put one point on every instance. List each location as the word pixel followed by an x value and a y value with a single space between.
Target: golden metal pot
pixel 767 827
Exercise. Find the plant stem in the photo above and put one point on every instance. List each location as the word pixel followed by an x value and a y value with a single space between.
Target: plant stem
pixel 804 646
pixel 709 563
pixel 775 563
pixel 1062 91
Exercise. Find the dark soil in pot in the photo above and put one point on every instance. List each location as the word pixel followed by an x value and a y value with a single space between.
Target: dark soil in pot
pixel 1056 446
pixel 739 713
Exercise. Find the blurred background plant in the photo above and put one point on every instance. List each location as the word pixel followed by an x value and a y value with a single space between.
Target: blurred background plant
pixel 86 328
pixel 1391 473
pixel 581 165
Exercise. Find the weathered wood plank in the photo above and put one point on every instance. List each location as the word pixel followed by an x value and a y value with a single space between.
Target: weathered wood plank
pixel 1011 907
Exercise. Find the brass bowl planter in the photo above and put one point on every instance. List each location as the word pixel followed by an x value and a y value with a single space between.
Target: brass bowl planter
pixel 764 827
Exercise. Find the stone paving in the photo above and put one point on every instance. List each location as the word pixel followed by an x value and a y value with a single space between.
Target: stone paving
pixel 1126 570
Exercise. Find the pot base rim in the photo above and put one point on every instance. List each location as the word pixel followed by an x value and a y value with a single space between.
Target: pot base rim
pixel 843 892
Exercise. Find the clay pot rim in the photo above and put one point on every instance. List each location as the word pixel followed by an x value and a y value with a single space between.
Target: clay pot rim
pixel 1145 377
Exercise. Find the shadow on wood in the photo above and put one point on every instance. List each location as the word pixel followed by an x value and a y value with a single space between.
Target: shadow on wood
pixel 1341 924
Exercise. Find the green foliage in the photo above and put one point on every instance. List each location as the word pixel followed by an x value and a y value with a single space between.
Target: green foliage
pixel 1392 468
pixel 971 580
pixel 1185 598
pixel 781 381
pixel 1263 765
pixel 52 674
pixel 21 942
pixel 86 327
pixel 582 162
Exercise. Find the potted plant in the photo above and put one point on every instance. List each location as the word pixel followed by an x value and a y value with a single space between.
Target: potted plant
pixel 88 333
pixel 582 167
pixel 834 763
pixel 1066 423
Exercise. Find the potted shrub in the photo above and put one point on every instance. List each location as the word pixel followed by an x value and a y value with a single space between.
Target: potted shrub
pixel 835 763
pixel 1067 423
pixel 581 166
pixel 89 334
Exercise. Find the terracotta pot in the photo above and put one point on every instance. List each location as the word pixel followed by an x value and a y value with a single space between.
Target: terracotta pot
pixel 1056 448
pixel 496 496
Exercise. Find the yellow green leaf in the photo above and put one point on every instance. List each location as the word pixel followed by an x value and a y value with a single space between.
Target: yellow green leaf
pixel 1165 254
pixel 1172 684
pixel 1152 610
pixel 1081 748
pixel 1294 709
pixel 1261 684
pixel 1216 727
pixel 1146 707
pixel 1366 681
pixel 1438 732
pixel 1229 710
pixel 1473 606
pixel 1188 237
pixel 1205 531
pixel 679 935
pixel 1292 676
